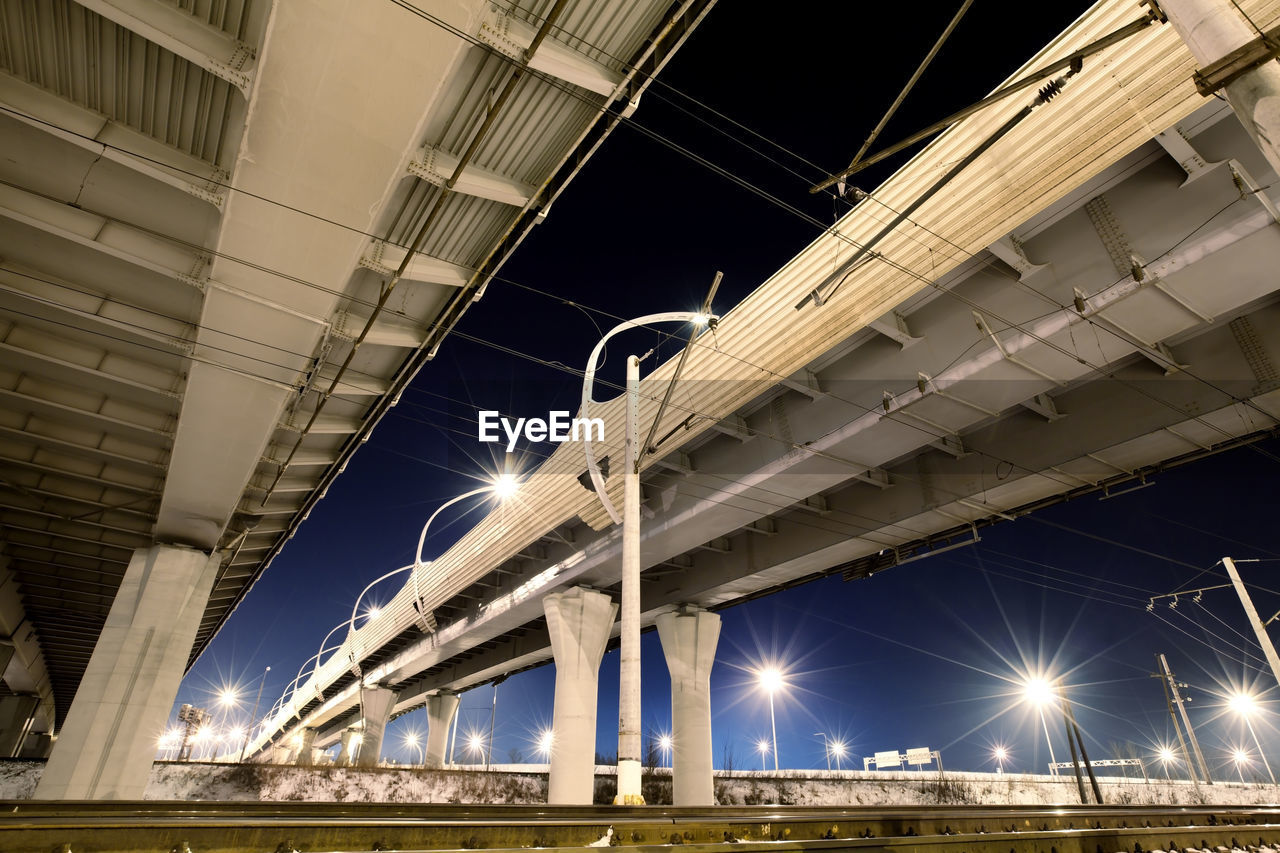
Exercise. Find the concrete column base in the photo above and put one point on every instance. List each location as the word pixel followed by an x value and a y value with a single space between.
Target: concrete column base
pixel 579 621
pixel 376 702
pixel 108 741
pixel 303 753
pixel 689 637
pixel 349 742
pixel 441 709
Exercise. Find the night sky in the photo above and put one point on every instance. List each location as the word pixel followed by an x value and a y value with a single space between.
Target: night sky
pixel 927 654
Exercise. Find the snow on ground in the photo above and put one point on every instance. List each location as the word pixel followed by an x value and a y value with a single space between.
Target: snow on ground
pixel 528 784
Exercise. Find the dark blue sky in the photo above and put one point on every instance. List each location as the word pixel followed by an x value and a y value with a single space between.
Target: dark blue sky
pixel 916 656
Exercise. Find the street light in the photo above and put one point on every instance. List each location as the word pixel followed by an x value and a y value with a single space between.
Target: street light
pixel 1241 758
pixel 1000 754
pixel 664 746
pixel 629 724
pixel 412 741
pixel 826 748
pixel 475 744
pixel 772 680
pixel 253 718
pixel 1165 754
pixel 546 739
pixel 1039 693
pixel 762 746
pixel 839 748
pixel 1244 705
pixel 503 486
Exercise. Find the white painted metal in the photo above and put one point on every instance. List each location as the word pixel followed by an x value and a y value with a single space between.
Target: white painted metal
pixel 176 30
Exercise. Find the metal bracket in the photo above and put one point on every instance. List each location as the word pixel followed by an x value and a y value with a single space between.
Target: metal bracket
pixel 1009 249
pixel 894 326
pixel 1242 60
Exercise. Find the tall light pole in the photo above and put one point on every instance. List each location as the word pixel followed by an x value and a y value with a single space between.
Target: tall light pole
pixel 1264 640
pixel 1244 705
pixel 1166 755
pixel 772 680
pixel 838 748
pixel 1038 692
pixel 1000 754
pixel 253 718
pixel 825 747
pixel 1241 758
pixel 630 736
pixel 762 746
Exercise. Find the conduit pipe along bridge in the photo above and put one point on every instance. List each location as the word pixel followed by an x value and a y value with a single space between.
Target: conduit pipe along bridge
pixel 1091 299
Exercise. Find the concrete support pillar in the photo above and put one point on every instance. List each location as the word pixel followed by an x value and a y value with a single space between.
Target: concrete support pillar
pixel 303 749
pixel 108 741
pixel 376 702
pixel 579 621
pixel 6 654
pixel 15 722
pixel 1211 30
pixel 689 639
pixel 441 709
pixel 348 743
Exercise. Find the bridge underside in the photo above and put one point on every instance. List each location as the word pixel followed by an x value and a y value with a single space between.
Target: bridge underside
pixel 1132 326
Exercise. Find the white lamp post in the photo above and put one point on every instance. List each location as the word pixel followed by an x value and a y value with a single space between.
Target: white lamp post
pixel 772 680
pixel 1244 705
pixel 629 725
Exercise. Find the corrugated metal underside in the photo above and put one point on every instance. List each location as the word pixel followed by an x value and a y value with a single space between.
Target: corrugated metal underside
pixel 1116 104
pixel 113 195
pixel 539 140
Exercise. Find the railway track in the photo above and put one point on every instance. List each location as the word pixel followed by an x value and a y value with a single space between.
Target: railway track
pixel 161 827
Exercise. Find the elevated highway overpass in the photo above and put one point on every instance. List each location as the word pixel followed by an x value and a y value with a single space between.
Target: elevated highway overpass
pixel 231 233
pixel 1091 300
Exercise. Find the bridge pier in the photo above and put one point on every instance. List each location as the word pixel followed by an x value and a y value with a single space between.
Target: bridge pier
pixel 16 714
pixel 579 622
pixel 689 637
pixel 343 758
pixel 108 742
pixel 376 704
pixel 1212 29
pixel 304 751
pixel 441 708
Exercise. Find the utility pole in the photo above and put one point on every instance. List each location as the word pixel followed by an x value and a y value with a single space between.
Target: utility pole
pixel 1070 717
pixel 1172 685
pixel 1263 639
pixel 629 657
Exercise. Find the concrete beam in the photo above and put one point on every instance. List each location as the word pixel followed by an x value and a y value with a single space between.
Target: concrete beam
pixel 111 140
pixel 101 234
